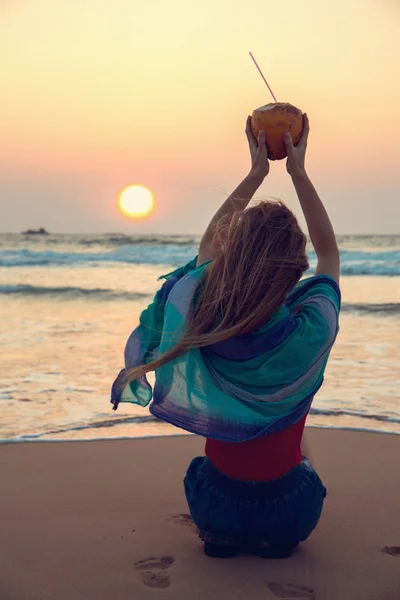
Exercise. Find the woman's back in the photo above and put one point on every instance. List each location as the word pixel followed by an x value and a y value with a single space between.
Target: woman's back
pixel 261 459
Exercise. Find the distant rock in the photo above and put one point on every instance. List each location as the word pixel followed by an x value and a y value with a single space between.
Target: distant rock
pixel 40 231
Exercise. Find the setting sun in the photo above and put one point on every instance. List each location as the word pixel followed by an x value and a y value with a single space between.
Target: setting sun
pixel 136 202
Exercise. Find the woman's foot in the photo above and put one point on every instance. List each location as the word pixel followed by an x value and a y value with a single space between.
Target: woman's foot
pixel 220 545
pixel 220 550
pixel 273 551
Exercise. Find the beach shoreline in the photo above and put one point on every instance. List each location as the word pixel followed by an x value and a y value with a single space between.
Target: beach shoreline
pixel 87 520
pixel 145 436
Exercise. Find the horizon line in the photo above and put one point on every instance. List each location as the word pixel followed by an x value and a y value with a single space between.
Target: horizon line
pixel 154 233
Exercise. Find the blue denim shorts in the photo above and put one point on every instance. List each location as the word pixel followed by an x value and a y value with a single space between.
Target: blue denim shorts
pixel 280 512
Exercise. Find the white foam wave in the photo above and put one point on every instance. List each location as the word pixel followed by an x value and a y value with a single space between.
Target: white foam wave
pixel 353 263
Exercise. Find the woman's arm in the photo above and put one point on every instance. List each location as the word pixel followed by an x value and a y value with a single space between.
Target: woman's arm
pixel 242 195
pixel 238 200
pixel 319 225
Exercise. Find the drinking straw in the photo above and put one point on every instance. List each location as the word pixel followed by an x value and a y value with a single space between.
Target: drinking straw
pixel 266 82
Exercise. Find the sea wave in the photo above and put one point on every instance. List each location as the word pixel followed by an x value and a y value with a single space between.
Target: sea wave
pixel 139 420
pixel 391 308
pixel 71 292
pixel 352 413
pixel 180 433
pixel 124 240
pixel 353 263
pixel 154 255
pixel 348 242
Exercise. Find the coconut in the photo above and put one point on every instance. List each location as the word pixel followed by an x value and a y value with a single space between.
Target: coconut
pixel 276 119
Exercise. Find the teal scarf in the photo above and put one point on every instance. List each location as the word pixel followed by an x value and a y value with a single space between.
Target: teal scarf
pixel 243 387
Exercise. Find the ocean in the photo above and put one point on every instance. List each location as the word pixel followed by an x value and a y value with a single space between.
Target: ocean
pixel 69 302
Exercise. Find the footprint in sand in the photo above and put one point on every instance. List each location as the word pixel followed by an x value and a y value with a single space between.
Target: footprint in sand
pixel 392 550
pixel 289 591
pixel 153 571
pixel 184 520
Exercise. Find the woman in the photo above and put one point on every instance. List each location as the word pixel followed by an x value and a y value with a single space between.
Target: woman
pixel 239 347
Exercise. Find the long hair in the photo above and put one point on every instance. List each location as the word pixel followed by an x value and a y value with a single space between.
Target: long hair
pixel 260 255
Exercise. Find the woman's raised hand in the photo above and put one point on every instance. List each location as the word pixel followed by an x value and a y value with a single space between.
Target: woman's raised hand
pixel 296 155
pixel 258 152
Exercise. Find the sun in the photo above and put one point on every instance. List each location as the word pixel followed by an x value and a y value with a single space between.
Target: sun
pixel 136 202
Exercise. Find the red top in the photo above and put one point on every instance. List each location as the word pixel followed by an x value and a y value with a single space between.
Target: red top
pixel 261 459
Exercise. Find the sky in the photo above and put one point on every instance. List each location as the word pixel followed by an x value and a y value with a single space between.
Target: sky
pixel 97 95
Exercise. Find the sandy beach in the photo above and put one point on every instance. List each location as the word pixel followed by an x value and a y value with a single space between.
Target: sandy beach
pixel 100 520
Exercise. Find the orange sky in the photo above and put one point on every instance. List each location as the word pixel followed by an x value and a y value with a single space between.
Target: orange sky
pixel 99 94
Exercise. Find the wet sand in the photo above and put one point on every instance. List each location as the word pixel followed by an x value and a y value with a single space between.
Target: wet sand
pixel 101 520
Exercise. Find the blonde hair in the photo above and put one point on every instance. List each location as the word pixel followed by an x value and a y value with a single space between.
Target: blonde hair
pixel 260 255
